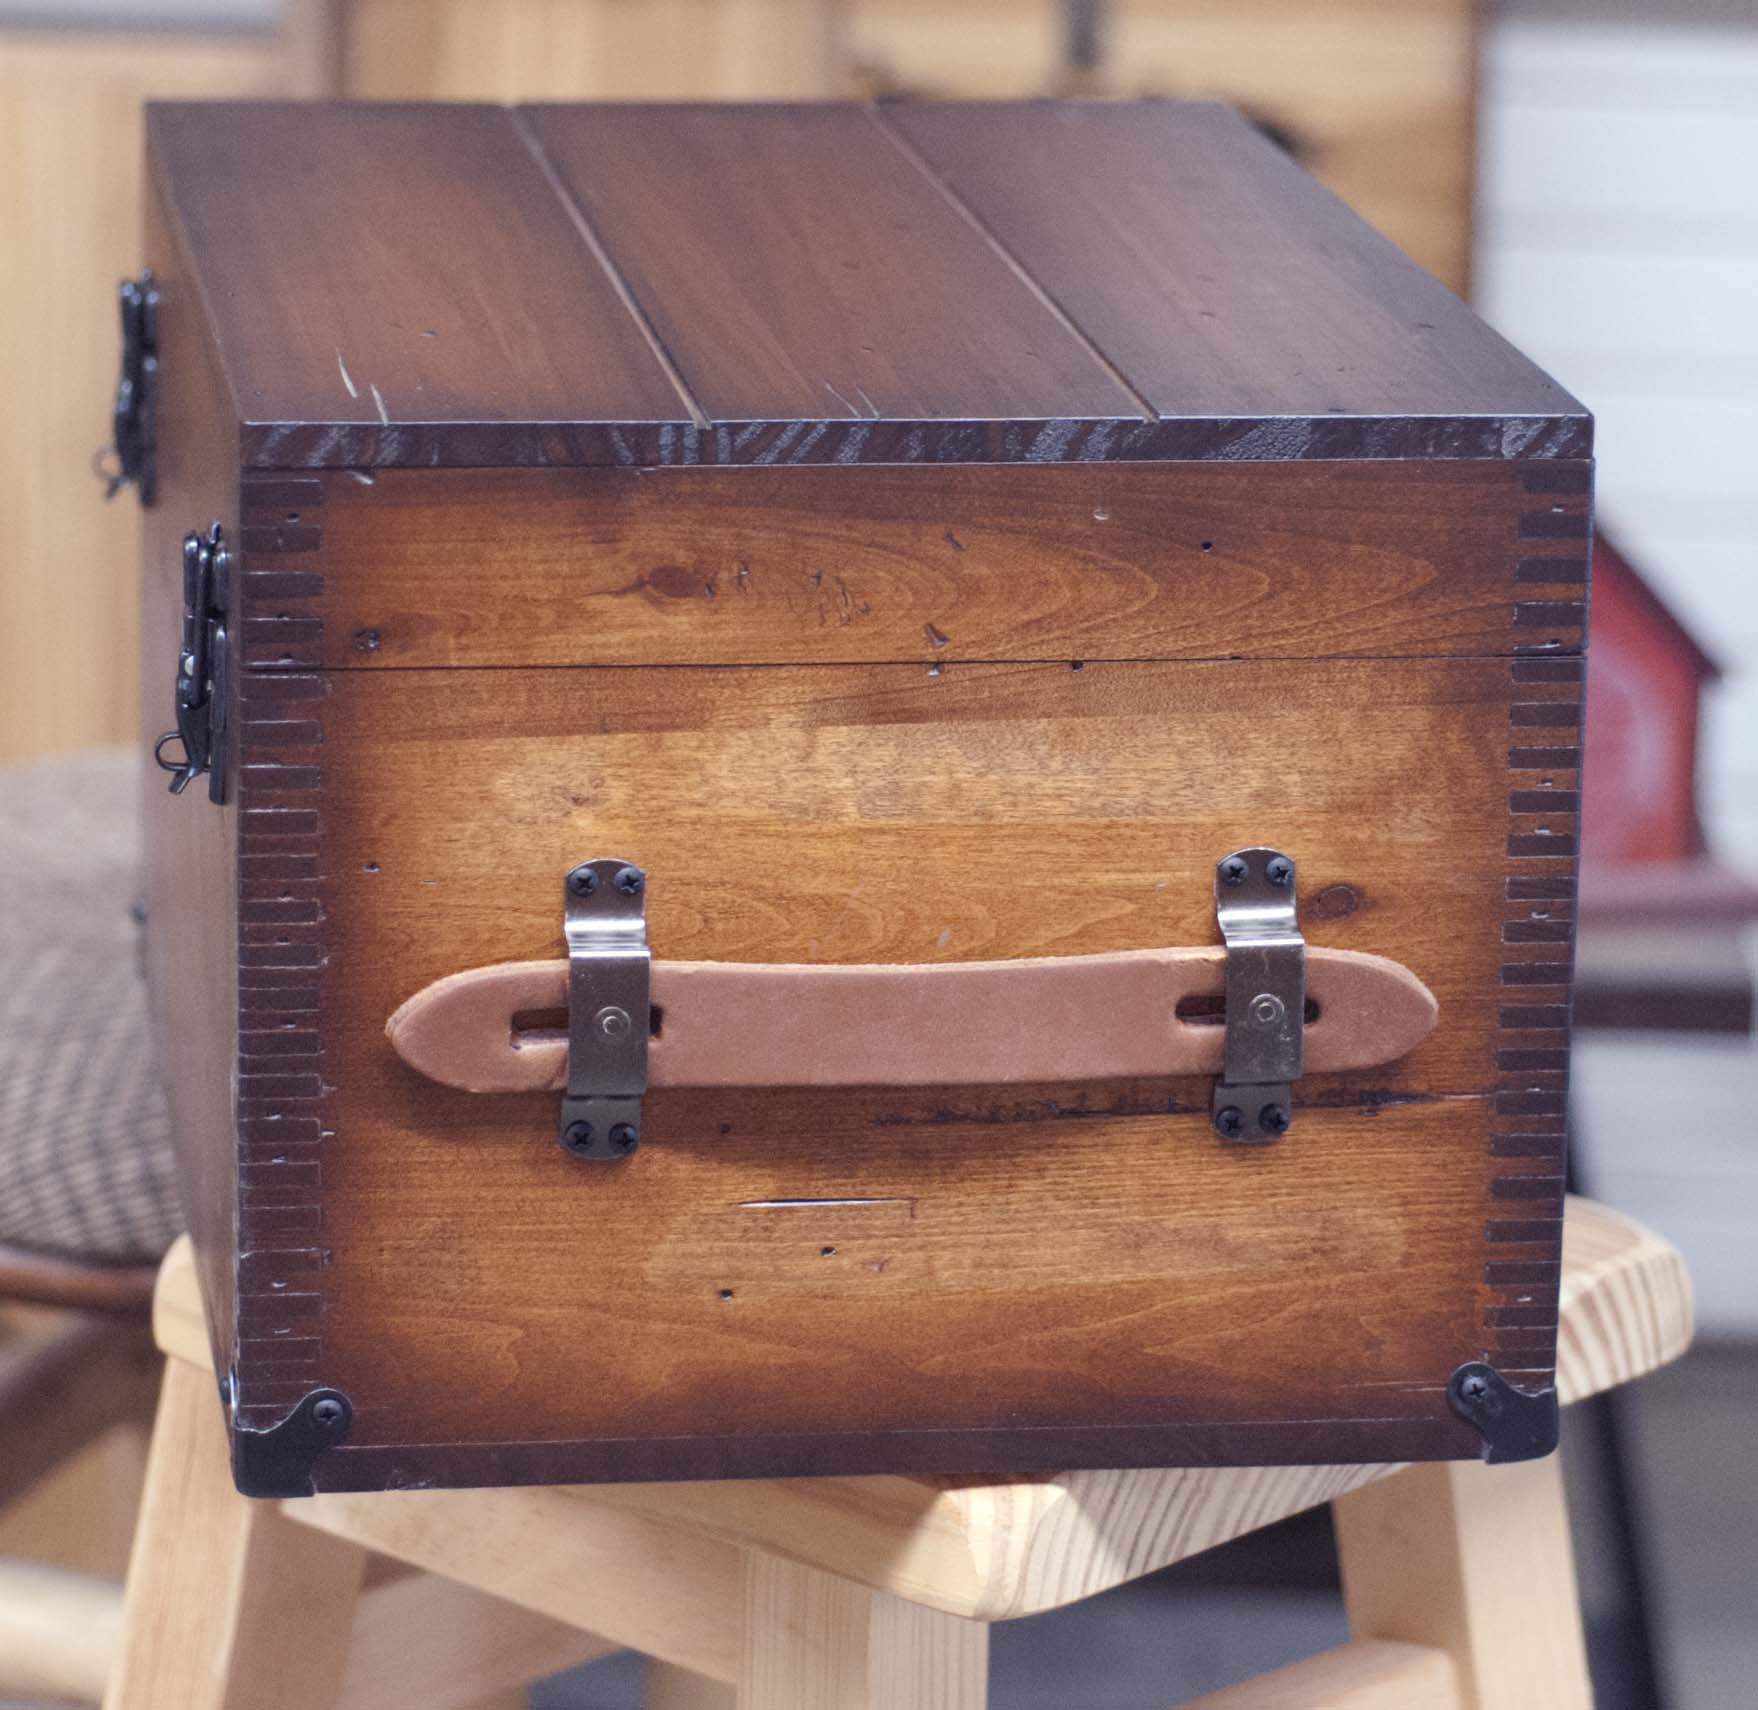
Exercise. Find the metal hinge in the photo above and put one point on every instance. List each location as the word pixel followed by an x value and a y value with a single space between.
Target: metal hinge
pixel 134 416
pixel 604 919
pixel 203 667
pixel 1515 1424
pixel 1266 995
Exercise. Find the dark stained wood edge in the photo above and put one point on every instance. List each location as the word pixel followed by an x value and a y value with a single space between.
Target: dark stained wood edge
pixel 1434 1435
pixel 325 445
pixel 1523 1226
pixel 282 954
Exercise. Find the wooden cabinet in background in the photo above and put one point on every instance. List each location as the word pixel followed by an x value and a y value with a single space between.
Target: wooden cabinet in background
pixel 70 169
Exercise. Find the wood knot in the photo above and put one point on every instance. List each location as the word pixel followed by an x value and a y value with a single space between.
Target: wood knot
pixel 1335 901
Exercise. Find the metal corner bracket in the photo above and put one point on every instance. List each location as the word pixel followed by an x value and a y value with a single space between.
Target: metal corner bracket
pixel 1266 995
pixel 1514 1425
pixel 610 1012
pixel 279 1461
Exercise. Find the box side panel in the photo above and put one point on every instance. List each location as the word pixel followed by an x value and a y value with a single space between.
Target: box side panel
pixel 810 566
pixel 191 845
pixel 949 1279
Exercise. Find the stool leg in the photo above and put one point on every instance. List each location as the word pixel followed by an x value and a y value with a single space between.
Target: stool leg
pixel 1475 1561
pixel 229 1605
pixel 816 1642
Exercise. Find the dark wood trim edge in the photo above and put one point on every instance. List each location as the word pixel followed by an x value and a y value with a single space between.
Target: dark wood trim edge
pixel 1000 1455
pixel 1111 439
pixel 283 952
pixel 1523 1227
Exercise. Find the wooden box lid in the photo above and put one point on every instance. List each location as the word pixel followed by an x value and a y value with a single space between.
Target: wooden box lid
pixel 426 285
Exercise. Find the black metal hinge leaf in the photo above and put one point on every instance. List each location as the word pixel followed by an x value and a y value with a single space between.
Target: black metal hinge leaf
pixel 1514 1425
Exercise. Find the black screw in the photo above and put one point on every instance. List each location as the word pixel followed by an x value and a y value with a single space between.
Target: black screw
pixel 1278 869
pixel 328 1412
pixel 577 1136
pixel 623 1137
pixel 1229 1122
pixel 1273 1119
pixel 1474 1386
pixel 1234 870
pixel 629 881
pixel 582 881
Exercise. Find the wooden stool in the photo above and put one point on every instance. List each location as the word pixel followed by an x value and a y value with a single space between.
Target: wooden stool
pixel 851 1593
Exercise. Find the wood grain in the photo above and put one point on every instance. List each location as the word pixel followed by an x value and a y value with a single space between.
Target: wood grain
pixel 1276 302
pixel 421 1639
pixel 701 211
pixel 387 317
pixel 190 858
pixel 815 1642
pixel 229 1605
pixel 820 780
pixel 1426 1560
pixel 656 285
pixel 938 565
pixel 1376 95
pixel 993 1549
pixel 657 1589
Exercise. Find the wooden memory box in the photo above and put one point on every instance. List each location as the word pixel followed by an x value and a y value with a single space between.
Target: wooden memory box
pixel 867 790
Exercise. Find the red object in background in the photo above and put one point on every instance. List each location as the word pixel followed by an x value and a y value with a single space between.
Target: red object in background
pixel 1644 859
pixel 1645 676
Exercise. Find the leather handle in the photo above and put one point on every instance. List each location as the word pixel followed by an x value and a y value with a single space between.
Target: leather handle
pixel 1054 1018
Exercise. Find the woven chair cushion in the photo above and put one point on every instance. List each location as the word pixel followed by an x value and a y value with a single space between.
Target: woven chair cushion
pixel 85 1143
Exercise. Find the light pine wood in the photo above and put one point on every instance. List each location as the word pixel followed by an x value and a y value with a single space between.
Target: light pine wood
pixel 228 1606
pixel 1369 1674
pixel 422 1640
pixel 813 1641
pixel 993 1550
pixel 70 174
pixel 58 1632
pixel 1476 1561
pixel 661 1590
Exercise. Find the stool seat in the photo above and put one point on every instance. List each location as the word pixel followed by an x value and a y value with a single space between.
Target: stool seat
pixel 855 1593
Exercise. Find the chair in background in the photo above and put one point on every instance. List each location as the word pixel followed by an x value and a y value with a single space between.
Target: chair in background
pixel 87 1207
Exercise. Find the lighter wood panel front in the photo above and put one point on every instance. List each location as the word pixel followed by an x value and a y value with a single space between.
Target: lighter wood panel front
pixel 807 566
pixel 978 1259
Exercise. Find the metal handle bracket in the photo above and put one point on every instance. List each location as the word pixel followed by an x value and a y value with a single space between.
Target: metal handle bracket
pixel 1266 995
pixel 604 918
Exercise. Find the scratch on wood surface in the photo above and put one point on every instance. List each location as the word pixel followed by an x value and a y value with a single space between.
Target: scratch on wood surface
pixel 384 415
pixel 818 1204
pixel 347 378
